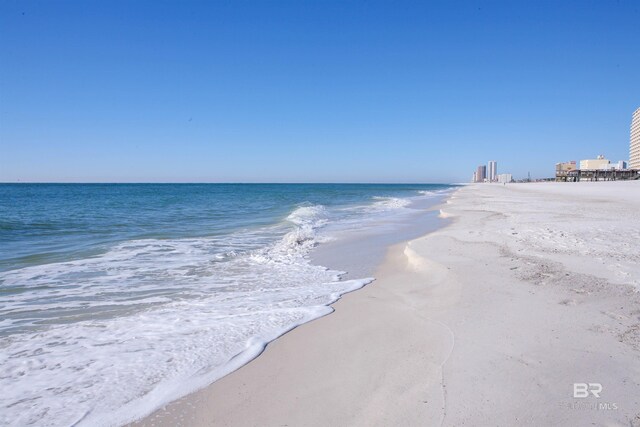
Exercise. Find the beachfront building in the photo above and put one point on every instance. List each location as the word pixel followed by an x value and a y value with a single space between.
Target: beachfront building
pixel 599 163
pixel 563 169
pixel 504 178
pixel 492 171
pixel 634 146
pixel 481 173
pixel 566 166
pixel 621 165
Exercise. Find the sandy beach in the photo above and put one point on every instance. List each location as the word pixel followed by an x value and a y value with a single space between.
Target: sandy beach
pixel 490 320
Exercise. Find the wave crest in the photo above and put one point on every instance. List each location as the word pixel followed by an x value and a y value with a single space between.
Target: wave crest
pixel 388 203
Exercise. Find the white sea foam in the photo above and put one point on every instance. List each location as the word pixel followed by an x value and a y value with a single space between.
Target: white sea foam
pixel 103 340
pixel 303 237
pixel 434 193
pixel 390 203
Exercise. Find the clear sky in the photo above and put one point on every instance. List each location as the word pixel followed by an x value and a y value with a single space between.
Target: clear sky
pixel 312 91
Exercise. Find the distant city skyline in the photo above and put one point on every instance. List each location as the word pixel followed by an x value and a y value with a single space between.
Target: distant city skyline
pixel 300 91
pixel 489 173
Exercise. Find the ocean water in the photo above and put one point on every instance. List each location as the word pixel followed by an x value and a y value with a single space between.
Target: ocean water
pixel 117 298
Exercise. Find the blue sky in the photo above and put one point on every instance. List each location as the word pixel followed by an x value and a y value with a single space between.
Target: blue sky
pixel 275 91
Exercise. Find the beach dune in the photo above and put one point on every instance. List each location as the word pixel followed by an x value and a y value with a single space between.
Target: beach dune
pixel 491 320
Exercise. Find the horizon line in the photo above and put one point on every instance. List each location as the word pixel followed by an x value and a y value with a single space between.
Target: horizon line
pixel 225 183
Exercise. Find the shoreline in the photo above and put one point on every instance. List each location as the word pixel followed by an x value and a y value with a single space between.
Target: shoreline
pixel 180 411
pixel 484 321
pixel 302 348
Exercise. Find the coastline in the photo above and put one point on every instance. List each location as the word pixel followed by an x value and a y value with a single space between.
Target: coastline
pixel 489 320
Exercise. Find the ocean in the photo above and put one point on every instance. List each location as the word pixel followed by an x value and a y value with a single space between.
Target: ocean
pixel 116 299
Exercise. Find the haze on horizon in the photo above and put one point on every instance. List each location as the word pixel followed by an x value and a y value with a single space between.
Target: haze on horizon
pixel 295 91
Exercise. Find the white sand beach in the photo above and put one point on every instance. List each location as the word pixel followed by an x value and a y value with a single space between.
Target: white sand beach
pixel 487 321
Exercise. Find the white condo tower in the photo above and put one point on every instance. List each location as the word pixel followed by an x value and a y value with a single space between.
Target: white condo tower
pixel 492 171
pixel 634 145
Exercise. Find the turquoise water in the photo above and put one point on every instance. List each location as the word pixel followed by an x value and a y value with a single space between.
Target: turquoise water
pixel 117 298
pixel 53 222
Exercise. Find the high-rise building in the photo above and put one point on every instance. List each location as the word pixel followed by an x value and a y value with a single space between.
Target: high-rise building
pixel 634 146
pixel 481 173
pixel 492 171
